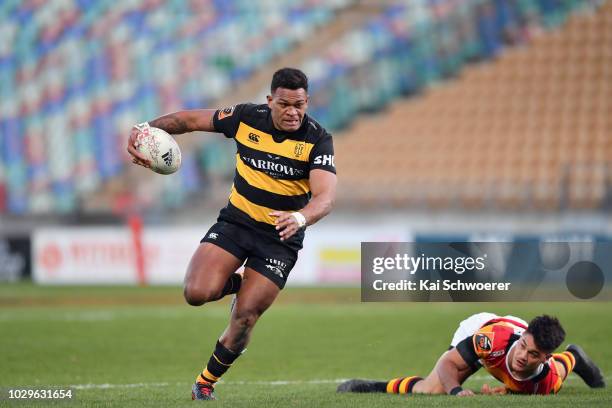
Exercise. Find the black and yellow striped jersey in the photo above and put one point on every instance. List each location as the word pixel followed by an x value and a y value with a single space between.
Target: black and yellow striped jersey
pixel 272 166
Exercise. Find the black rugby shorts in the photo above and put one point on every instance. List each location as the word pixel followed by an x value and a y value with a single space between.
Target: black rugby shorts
pixel 261 252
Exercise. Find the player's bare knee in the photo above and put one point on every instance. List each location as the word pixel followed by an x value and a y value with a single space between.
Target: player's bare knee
pixel 198 296
pixel 192 298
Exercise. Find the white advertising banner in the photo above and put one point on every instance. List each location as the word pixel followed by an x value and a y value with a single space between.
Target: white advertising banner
pixel 83 255
pixel 332 252
pixel 174 248
pixel 106 255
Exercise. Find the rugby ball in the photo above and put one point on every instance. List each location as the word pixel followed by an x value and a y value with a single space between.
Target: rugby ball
pixel 160 149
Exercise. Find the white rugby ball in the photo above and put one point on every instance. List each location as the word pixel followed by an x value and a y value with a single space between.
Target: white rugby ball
pixel 160 149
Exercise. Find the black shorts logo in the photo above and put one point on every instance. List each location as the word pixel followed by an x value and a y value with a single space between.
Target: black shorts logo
pixel 277 267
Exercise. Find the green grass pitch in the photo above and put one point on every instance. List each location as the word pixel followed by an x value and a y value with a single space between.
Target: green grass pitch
pixel 142 347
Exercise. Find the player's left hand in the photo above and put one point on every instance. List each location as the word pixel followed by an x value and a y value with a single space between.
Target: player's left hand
pixel 137 157
pixel 466 393
pixel 487 390
pixel 286 224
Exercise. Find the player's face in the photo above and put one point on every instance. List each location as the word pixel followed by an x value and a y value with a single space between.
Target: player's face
pixel 527 357
pixel 288 108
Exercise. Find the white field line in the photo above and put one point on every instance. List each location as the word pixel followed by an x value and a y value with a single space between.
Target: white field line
pixel 165 384
pixel 112 386
pixel 268 383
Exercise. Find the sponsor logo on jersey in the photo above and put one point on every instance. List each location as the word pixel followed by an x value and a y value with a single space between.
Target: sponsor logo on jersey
pixel 253 137
pixel 272 168
pixel 213 235
pixel 226 113
pixel 325 160
pixel 299 149
pixel 483 342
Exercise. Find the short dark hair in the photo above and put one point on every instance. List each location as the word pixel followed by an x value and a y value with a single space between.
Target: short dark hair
pixel 289 78
pixel 547 332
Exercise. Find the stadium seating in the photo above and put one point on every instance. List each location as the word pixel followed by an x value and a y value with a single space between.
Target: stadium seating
pixel 74 76
pixel 415 44
pixel 530 130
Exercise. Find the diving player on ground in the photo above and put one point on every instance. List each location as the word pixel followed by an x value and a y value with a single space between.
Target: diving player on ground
pixel 519 355
pixel 285 180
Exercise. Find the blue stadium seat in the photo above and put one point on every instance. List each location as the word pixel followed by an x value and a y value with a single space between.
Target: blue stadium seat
pixel 86 52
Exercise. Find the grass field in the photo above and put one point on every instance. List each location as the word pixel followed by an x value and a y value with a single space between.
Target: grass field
pixel 142 347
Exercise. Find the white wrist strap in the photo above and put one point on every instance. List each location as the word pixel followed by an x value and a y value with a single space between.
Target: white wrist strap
pixel 299 217
pixel 143 128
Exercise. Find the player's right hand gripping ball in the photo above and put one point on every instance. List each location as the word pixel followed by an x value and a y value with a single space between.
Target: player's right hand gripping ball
pixel 159 148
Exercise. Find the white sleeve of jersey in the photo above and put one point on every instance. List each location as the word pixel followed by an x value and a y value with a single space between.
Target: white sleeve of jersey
pixel 470 326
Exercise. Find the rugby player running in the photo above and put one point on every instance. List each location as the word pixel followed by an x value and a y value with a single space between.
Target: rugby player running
pixel 521 356
pixel 285 181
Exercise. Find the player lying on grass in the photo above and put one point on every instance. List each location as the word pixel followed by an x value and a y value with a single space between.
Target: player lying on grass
pixel 519 355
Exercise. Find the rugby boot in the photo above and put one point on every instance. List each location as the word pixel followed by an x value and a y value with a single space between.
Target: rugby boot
pixel 586 368
pixel 202 391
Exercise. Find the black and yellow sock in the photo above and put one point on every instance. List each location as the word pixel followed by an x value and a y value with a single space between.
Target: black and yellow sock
pixel 220 361
pixel 232 285
pixel 567 359
pixel 402 385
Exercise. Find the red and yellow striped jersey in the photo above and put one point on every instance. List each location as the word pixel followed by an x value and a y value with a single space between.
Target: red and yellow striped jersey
pixel 490 346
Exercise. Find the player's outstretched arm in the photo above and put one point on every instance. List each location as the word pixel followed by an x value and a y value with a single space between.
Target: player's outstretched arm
pixel 173 123
pixel 186 121
pixel 323 188
pixel 451 370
